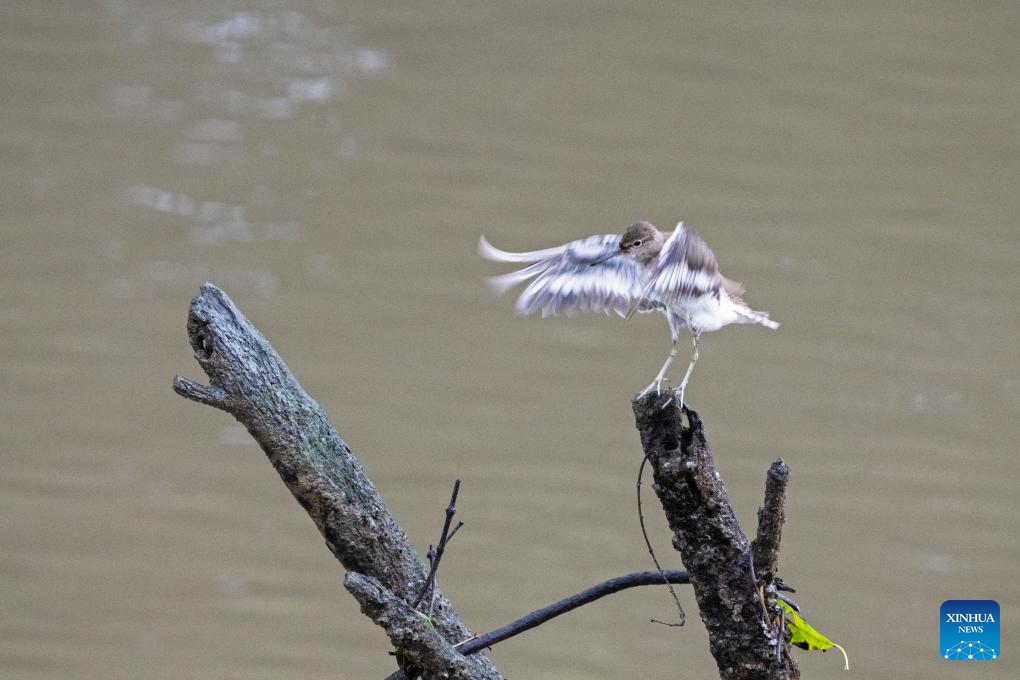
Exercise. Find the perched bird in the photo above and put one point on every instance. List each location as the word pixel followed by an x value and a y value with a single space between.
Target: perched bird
pixel 645 270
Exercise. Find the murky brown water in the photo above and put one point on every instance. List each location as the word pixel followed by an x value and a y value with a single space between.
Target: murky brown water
pixel 332 165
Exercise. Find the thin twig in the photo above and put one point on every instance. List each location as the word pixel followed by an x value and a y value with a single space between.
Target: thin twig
pixel 432 598
pixel 644 532
pixel 757 588
pixel 540 616
pixel 431 590
pixel 781 641
pixel 444 538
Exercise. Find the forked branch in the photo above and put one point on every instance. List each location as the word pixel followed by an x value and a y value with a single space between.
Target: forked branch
pixel 712 545
pixel 248 379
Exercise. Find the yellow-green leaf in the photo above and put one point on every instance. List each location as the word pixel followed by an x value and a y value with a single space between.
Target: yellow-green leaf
pixel 427 620
pixel 804 636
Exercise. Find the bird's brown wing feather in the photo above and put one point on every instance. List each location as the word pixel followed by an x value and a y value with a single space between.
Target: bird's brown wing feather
pixel 685 269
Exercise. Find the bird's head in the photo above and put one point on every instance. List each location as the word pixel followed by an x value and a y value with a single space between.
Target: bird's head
pixel 641 242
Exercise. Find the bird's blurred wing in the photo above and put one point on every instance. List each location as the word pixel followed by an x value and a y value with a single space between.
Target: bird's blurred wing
pixel 567 278
pixel 685 269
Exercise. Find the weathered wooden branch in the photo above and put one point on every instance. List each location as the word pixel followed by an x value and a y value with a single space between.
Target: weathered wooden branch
pixel 420 646
pixel 715 551
pixel 771 516
pixel 249 380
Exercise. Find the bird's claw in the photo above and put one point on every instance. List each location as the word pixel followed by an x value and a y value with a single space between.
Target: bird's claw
pixel 678 394
pixel 657 384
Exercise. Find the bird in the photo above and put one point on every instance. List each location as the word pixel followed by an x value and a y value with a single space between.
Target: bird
pixel 644 270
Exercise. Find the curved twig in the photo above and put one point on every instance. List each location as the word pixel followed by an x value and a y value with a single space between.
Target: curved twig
pixel 710 541
pixel 540 616
pixel 651 551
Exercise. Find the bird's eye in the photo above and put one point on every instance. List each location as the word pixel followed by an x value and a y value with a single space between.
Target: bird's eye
pixel 636 243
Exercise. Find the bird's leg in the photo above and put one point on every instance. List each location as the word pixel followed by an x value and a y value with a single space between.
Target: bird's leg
pixel 690 368
pixel 661 377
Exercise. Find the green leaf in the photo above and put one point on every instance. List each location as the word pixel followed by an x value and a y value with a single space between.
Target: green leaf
pixel 804 636
pixel 427 620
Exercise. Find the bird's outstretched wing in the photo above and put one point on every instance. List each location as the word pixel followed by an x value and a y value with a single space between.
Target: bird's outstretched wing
pixel 566 280
pixel 685 269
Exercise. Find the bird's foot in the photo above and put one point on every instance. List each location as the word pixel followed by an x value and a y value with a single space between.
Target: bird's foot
pixel 655 385
pixel 660 391
pixel 678 394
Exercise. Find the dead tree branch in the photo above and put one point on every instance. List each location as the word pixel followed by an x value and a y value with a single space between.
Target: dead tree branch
pixel 771 516
pixel 419 645
pixel 712 545
pixel 248 379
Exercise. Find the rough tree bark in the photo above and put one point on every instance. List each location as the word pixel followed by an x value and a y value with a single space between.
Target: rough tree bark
pixel 248 379
pixel 741 620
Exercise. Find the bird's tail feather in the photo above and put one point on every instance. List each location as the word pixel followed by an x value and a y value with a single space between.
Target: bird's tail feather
pixel 751 316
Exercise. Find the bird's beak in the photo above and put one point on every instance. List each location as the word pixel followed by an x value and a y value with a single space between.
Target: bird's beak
pixel 603 259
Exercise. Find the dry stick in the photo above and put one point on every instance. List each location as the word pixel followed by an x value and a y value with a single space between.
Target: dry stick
pixel 781 643
pixel 764 550
pixel 757 588
pixel 444 538
pixel 710 541
pixel 431 557
pixel 433 590
pixel 540 616
pixel 644 532
pixel 778 639
pixel 249 380
pixel 771 516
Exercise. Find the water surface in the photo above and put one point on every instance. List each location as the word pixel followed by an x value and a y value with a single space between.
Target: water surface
pixel 332 165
